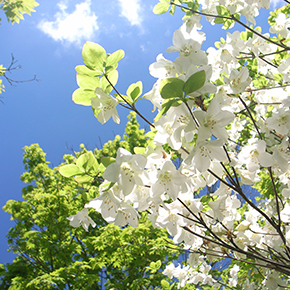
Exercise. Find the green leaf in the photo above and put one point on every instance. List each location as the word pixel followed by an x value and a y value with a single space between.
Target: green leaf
pixel 161 8
pixel 128 99
pixel 2 70
pixel 223 11
pixel 139 150
pixel 83 97
pixel 228 23
pixel 94 56
pixel 171 88
pixel 165 284
pixel 113 59
pixel 14 10
pixel 172 9
pixel 69 170
pixel 86 161
pixel 106 161
pixel 82 69
pixel 88 82
pixel 84 178
pixel 155 265
pixel 135 90
pixel 158 264
pixel 194 82
pixel 219 20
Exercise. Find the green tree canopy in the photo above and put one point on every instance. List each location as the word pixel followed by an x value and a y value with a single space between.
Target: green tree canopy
pixel 54 255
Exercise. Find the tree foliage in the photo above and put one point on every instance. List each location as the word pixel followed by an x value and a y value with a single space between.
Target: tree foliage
pixel 54 255
pixel 15 9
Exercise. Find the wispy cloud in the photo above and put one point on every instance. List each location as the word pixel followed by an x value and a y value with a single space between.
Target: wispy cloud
pixel 131 9
pixel 277 3
pixel 79 25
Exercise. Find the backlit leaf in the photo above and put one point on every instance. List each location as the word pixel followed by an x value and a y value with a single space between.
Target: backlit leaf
pixel 83 97
pixel 94 56
pixel 171 88
pixel 69 170
pixel 194 82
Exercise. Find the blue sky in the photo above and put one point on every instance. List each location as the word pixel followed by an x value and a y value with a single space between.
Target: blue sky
pixel 49 45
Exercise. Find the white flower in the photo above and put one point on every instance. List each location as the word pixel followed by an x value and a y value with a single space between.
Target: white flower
pixel 188 45
pixel 169 180
pixel 154 97
pixel 107 204
pixel 284 69
pixel 164 68
pixel 281 25
pixel 104 107
pixel 233 281
pixel 171 128
pixel 192 22
pixel 238 81
pixel 126 215
pixel 204 152
pixel 81 219
pixel 213 121
pixel 285 213
pixel 127 170
pixel 169 270
pixel 255 155
pixel 169 219
pixel 233 6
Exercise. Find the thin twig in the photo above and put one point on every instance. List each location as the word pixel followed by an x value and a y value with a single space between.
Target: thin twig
pixel 131 107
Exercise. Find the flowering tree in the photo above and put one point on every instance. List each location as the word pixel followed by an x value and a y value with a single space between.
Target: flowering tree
pixel 224 114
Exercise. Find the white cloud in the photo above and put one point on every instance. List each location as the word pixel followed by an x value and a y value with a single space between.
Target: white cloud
pixel 277 3
pixel 131 10
pixel 72 28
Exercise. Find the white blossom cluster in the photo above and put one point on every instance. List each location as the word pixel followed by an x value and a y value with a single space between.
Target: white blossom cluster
pixel 206 135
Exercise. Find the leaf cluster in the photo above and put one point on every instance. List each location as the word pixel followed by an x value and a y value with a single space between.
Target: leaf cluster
pixel 14 9
pixel 99 71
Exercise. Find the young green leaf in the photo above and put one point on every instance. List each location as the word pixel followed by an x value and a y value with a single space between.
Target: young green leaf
pixel 223 11
pixel 172 9
pixel 158 264
pixel 94 56
pixel 83 97
pixel 88 82
pixel 165 285
pixel 194 82
pixel 69 170
pixel 139 150
pixel 135 90
pixel 219 20
pixel 161 8
pixel 82 69
pixel 171 88
pixel 113 59
pixel 84 178
pixel 86 161
pixel 128 99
